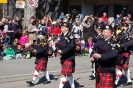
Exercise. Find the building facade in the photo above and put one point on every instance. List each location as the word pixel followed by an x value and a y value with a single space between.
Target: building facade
pixel 97 7
pixel 85 7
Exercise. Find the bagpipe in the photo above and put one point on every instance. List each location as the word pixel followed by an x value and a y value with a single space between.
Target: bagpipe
pixel 61 45
pixel 41 43
pixel 101 50
pixel 120 59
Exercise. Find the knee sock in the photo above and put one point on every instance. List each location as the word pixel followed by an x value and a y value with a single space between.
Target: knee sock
pixel 118 76
pixel 36 73
pixel 127 73
pixel 47 75
pixel 71 81
pixel 62 82
pixel 94 72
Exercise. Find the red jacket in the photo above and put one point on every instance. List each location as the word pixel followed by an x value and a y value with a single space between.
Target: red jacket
pixel 56 31
pixel 105 19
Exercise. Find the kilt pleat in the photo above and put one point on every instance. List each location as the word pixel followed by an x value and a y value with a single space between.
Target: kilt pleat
pixel 41 65
pixel 106 80
pixel 68 67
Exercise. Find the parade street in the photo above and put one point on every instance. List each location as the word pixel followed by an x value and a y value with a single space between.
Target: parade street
pixel 15 73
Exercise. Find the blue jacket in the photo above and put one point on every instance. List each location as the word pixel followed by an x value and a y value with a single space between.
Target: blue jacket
pixel 116 21
pixel 61 17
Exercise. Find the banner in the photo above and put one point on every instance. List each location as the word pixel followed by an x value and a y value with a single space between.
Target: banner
pixel 33 3
pixel 3 1
pixel 20 4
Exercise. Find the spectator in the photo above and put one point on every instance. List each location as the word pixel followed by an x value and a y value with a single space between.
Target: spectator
pixel 6 39
pixel 10 53
pixel 117 20
pixel 27 51
pixel 19 24
pixel 15 43
pixel 31 31
pixel 61 16
pixel 87 30
pixel 56 30
pixel 77 30
pixel 43 27
pixel 2 24
pixel 24 39
pixel 105 18
pixel 18 52
pixel 10 31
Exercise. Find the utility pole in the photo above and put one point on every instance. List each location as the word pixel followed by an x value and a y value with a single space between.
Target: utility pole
pixel 28 12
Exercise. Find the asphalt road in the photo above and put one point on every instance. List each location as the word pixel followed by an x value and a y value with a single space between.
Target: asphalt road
pixel 14 73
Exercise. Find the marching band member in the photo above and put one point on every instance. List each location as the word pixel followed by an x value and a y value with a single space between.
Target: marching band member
pixel 104 54
pixel 67 53
pixel 123 59
pixel 40 51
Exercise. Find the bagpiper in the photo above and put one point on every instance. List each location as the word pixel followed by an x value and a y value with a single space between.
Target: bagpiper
pixel 40 50
pixel 104 54
pixel 122 62
pixel 66 48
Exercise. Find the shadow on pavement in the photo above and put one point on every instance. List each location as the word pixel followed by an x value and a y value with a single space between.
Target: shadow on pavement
pixel 77 85
pixel 43 79
pixel 122 81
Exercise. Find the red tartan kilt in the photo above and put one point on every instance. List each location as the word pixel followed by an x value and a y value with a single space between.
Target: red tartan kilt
pixel 106 80
pixel 68 67
pixel 42 65
pixel 124 66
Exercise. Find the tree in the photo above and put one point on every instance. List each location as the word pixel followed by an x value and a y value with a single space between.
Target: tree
pixel 28 12
pixel 1 11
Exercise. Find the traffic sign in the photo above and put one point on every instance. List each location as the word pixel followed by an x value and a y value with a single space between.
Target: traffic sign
pixel 20 4
pixel 3 1
pixel 33 3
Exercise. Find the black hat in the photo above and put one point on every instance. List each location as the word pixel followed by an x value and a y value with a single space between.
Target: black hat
pixel 125 25
pixel 65 24
pixel 108 27
pixel 99 27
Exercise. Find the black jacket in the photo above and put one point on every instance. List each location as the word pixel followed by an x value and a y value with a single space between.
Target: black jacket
pixel 68 53
pixel 109 52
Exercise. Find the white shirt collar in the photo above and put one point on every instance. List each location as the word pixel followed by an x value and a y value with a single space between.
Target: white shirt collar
pixel 99 34
pixel 107 39
pixel 65 33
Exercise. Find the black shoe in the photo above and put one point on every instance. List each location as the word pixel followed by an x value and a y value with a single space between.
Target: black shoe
pixel 30 83
pixel 115 86
pixel 47 82
pixel 127 84
pixel 92 77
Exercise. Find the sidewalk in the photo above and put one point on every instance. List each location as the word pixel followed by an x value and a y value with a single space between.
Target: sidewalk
pixel 82 80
